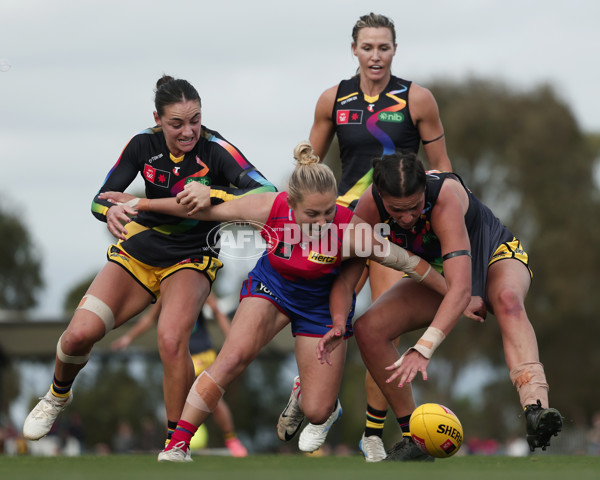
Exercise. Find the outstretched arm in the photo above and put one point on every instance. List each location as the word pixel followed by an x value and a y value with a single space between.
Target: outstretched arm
pixel 251 208
pixel 340 304
pixel 448 222
pixel 364 241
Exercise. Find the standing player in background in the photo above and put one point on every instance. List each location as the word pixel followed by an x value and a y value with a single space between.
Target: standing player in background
pixel 376 113
pixel 203 355
pixel 156 254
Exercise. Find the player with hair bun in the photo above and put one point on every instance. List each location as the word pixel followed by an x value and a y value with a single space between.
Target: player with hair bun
pixel 156 255
pixel 308 237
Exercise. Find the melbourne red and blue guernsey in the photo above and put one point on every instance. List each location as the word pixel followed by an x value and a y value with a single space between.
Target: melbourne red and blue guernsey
pixel 296 273
pixel 298 257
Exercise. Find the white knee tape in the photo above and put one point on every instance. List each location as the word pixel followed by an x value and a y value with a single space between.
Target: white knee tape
pixel 72 359
pixel 97 306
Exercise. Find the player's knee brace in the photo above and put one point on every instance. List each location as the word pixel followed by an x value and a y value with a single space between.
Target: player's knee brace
pixel 72 359
pixel 97 306
pixel 530 381
pixel 205 393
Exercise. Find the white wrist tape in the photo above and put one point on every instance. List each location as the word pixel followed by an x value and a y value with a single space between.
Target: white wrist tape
pixel 130 203
pixel 429 341
pixel 426 345
pixel 399 259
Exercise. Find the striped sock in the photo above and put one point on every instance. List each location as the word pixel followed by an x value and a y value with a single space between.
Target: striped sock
pixel 61 389
pixel 171 426
pixel 375 421
pixel 184 432
pixel 403 422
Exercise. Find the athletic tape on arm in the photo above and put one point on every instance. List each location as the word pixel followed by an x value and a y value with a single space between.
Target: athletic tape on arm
pixel 97 306
pixel 426 345
pixel 400 259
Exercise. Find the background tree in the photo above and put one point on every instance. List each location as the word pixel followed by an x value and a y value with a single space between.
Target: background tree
pixel 20 264
pixel 75 294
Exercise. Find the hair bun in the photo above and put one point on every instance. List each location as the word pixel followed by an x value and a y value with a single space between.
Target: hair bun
pixel 162 80
pixel 304 154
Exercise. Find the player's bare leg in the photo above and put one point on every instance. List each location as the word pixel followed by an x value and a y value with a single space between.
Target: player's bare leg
pixel 508 283
pixel 405 307
pixel 254 324
pixel 183 295
pixel 112 299
pixel 320 384
pixel 371 443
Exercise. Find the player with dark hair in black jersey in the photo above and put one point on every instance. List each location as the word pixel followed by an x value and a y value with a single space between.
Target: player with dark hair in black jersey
pixel 156 254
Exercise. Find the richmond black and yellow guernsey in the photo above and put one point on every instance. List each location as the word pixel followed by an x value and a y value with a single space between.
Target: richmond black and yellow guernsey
pixel 367 128
pixel 163 240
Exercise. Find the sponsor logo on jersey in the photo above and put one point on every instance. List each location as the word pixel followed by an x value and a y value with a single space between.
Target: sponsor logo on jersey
pixel 317 257
pixel 176 171
pixel 264 290
pixel 393 117
pixel 349 99
pixel 202 180
pixel 155 157
pixel 345 117
pixel 371 107
pixel 157 177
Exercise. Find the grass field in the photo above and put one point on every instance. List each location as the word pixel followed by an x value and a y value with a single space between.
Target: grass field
pixel 296 467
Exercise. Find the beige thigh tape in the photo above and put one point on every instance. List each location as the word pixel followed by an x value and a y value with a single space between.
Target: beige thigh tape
pixel 97 306
pixel 205 393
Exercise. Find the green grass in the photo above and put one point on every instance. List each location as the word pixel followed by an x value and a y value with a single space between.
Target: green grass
pixel 292 467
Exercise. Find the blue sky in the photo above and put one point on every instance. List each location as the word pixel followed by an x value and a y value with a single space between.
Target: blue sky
pixel 76 82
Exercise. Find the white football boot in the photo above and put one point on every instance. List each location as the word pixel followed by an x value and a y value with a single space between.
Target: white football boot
pixel 176 454
pixel 40 420
pixel 372 448
pixel 313 436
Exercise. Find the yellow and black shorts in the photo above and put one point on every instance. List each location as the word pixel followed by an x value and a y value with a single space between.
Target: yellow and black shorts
pixel 512 249
pixel 203 360
pixel 150 277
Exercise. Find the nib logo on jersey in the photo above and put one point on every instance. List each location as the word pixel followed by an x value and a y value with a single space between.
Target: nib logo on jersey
pixel 157 177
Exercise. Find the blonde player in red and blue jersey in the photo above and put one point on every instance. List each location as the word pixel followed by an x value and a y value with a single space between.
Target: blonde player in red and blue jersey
pixel 156 254
pixel 307 236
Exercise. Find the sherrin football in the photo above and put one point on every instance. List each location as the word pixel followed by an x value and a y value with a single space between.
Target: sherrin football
pixel 436 430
